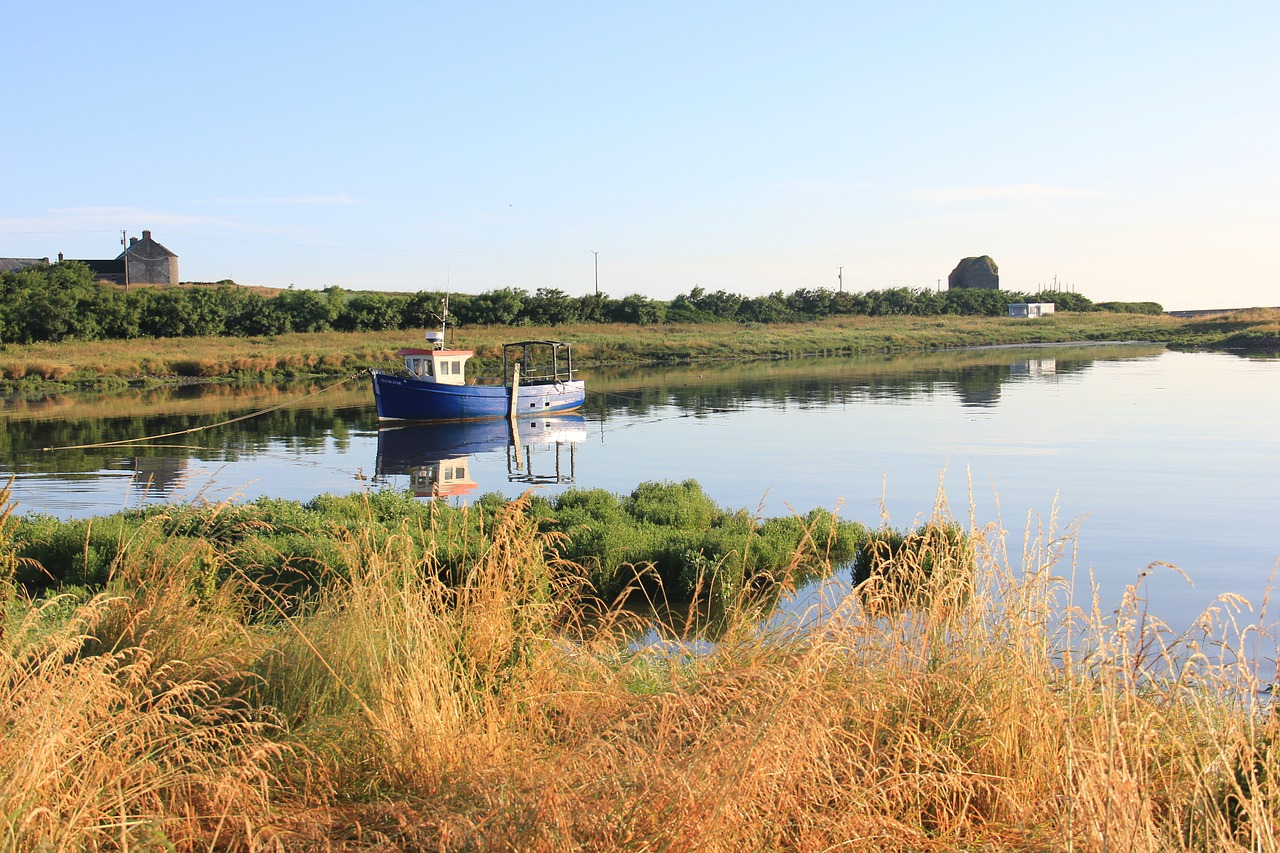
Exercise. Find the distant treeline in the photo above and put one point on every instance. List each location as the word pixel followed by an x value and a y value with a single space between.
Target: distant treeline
pixel 60 302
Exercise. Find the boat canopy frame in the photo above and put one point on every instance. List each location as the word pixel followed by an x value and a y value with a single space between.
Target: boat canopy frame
pixel 541 362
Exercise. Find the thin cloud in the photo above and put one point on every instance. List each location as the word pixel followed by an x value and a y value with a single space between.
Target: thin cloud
pixel 1004 193
pixel 85 219
pixel 299 200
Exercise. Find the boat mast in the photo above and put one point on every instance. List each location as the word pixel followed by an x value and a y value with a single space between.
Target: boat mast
pixel 444 317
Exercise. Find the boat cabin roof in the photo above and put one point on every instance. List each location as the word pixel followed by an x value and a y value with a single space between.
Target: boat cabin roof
pixel 450 353
pixel 441 366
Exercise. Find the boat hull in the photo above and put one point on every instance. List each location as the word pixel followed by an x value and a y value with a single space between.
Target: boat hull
pixel 401 398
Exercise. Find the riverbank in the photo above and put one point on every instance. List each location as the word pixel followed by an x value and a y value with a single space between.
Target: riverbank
pixel 172 360
pixel 508 709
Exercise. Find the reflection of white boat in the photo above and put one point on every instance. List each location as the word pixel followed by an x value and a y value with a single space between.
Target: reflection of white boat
pixel 437 456
pixel 542 443
pixel 1034 367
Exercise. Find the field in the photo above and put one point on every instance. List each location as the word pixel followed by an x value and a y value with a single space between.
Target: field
pixel 113 363
pixel 497 704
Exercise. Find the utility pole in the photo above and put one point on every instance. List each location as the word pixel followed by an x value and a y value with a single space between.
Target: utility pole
pixel 597 256
pixel 840 278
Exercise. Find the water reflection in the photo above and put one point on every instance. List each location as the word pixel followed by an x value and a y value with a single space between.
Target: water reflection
pixel 159 475
pixel 437 457
pixel 70 452
pixel 976 377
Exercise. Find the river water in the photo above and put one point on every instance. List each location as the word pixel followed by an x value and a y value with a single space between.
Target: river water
pixel 1157 456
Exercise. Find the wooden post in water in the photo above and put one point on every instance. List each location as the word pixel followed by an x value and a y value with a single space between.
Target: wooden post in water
pixel 515 430
pixel 515 389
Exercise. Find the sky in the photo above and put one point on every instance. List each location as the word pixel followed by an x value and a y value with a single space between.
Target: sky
pixel 1126 150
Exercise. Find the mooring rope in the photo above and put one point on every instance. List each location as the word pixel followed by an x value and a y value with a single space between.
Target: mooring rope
pixel 616 396
pixel 130 441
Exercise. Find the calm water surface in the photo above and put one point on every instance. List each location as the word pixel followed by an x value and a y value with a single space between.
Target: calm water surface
pixel 1159 456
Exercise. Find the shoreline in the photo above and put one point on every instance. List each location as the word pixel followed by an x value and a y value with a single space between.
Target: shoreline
pixel 103 365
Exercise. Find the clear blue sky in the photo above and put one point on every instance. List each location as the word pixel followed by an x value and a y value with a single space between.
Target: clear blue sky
pixel 1131 149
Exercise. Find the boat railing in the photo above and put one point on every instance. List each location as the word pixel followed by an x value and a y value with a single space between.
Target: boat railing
pixel 540 362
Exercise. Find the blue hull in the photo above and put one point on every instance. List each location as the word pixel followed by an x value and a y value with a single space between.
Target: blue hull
pixel 402 399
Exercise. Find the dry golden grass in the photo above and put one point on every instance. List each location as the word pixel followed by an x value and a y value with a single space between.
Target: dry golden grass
pixel 118 744
pixel 490 706
pixel 330 352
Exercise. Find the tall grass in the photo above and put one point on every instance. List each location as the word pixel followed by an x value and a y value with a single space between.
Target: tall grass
pixel 505 709
pixel 126 720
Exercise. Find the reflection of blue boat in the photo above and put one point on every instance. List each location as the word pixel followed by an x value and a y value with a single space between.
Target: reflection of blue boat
pixel 436 456
pixel 409 444
pixel 537 380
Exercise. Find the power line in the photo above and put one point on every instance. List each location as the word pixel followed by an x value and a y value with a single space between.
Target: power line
pixel 378 248
pixel 94 231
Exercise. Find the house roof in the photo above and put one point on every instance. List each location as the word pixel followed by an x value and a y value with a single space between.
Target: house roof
pixel 15 264
pixel 146 249
pixel 104 268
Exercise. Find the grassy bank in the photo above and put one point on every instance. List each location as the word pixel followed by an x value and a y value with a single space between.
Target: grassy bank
pixel 507 709
pixel 333 354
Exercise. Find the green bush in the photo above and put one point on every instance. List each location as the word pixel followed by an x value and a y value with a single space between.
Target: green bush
pixel 53 553
pixel 680 535
pixel 1130 307
pixel 683 506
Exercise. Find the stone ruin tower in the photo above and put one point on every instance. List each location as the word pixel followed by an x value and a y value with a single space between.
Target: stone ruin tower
pixel 975 274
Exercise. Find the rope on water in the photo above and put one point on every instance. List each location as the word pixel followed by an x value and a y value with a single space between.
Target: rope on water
pixel 129 441
pixel 615 396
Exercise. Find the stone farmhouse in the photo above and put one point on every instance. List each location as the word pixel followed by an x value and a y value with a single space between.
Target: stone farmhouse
pixel 144 261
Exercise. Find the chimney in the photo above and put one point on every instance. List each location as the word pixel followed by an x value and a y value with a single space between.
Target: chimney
pixel 146 235
pixel 133 240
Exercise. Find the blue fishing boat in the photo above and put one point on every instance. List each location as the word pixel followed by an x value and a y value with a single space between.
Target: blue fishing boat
pixel 537 379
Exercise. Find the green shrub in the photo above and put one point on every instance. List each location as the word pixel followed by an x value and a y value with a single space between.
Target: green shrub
pixel 83 552
pixel 684 506
pixel 1130 307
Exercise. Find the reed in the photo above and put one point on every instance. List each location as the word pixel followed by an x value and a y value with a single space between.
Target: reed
pixel 491 702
